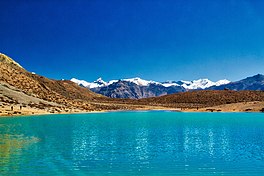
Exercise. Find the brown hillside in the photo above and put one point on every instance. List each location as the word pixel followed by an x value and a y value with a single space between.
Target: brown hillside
pixel 8 60
pixel 37 94
pixel 38 86
pixel 205 98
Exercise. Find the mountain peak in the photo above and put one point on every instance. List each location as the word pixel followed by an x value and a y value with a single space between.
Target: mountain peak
pixel 140 82
pixel 255 82
pixel 201 83
pixel 100 82
pixel 222 82
pixel 137 78
pixel 258 76
pixel 5 59
pixel 99 79
pixel 253 79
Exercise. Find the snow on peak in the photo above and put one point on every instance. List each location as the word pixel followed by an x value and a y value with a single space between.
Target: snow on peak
pixel 202 83
pixel 98 83
pixel 169 84
pixel 100 79
pixel 80 82
pixel 222 82
pixel 140 81
pixel 195 84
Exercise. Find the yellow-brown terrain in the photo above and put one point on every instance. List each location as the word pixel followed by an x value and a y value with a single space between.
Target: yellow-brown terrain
pixel 23 93
pixel 211 100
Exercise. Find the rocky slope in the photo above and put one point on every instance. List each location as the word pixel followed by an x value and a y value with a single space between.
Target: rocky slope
pixel 22 88
pixel 250 83
pixel 126 89
pixel 41 87
pixel 7 60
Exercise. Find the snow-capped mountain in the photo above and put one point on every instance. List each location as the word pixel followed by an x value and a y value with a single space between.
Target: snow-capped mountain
pixel 140 82
pixel 201 83
pixel 98 83
pixel 255 82
pixel 101 83
pixel 196 84
pixel 140 88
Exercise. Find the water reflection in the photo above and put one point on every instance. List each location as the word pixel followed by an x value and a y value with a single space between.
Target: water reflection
pixel 137 146
pixel 211 142
pixel 85 143
pixel 224 136
pixel 10 148
pixel 199 141
pixel 141 147
pixel 187 138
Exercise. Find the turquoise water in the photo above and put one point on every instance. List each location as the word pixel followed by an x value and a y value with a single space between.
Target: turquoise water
pixel 133 143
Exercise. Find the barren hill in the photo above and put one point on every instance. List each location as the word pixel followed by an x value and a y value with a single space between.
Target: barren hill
pixel 41 87
pixel 20 88
pixel 205 98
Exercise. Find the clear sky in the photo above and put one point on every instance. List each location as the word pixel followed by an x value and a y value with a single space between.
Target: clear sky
pixel 152 39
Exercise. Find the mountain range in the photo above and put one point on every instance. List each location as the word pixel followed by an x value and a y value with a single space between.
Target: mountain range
pixel 137 88
pixel 24 92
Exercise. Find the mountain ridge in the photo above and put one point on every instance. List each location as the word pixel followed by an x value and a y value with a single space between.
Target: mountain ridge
pixel 255 82
pixel 144 88
pixel 137 88
pixel 195 84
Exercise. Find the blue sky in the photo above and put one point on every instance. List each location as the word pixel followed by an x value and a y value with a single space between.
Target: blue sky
pixel 152 39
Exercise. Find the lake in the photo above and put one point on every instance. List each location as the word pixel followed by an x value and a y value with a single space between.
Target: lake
pixel 133 143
